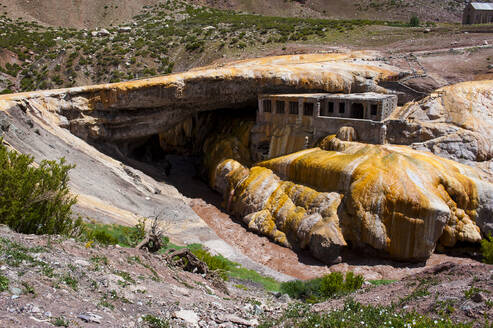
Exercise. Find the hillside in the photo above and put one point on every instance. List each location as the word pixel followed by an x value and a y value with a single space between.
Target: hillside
pixel 176 36
pixel 52 281
pixel 96 13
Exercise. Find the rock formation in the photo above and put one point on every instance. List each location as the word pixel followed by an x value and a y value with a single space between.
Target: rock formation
pixel 455 122
pixel 290 214
pixel 131 110
pixel 396 199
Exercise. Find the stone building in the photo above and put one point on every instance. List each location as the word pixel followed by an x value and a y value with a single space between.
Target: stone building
pixel 478 13
pixel 315 106
pixel 290 122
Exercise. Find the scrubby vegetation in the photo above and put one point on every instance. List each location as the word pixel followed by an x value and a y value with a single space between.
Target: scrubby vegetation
pixel 356 315
pixel 414 21
pixel 320 289
pixel 47 57
pixel 35 199
pixel 487 249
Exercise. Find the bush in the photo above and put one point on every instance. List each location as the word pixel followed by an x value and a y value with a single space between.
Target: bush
pixel 414 21
pixel 319 289
pixel 35 200
pixel 487 249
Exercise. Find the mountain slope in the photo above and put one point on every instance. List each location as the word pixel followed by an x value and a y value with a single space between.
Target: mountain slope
pixel 94 13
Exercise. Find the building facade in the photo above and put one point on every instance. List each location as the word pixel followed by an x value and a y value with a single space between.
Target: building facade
pixel 290 122
pixel 299 107
pixel 478 13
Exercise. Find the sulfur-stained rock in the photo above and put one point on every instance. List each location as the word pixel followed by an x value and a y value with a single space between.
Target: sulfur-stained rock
pixel 291 215
pixel 396 199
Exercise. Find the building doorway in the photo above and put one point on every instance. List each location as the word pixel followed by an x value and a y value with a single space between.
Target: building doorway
pixel 357 110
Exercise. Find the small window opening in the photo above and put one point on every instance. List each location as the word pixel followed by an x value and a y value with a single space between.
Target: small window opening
pixel 357 110
pixel 342 108
pixel 293 108
pixel 374 109
pixel 280 107
pixel 267 106
pixel 331 107
pixel 308 109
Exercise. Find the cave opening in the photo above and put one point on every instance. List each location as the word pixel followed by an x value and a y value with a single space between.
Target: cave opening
pixel 176 156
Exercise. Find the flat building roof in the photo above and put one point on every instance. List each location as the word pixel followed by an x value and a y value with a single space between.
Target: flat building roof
pixel 340 96
pixel 482 6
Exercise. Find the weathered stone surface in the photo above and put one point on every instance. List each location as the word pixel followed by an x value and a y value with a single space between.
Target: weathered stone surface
pixel 291 215
pixel 396 199
pixel 129 110
pixel 456 122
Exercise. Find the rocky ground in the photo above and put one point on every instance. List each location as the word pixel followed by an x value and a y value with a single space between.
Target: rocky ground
pixel 56 281
pixel 464 292
pixel 62 282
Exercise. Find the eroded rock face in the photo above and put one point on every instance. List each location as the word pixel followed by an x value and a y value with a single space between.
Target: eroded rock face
pixel 396 199
pixel 291 215
pixel 456 122
pixel 130 110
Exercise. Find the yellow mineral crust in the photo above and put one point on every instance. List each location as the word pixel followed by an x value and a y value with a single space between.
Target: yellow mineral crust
pixel 396 199
pixel 292 215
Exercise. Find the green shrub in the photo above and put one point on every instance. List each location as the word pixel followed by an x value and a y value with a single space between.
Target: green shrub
pixel 414 21
pixel 4 283
pixel 381 282
pixel 487 249
pixel 35 200
pixel 318 289
pixel 155 322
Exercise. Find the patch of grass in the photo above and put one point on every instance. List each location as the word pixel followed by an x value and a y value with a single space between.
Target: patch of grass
pixel 241 286
pixel 48 271
pixel 487 249
pixel 99 260
pixel 105 303
pixel 420 291
pixel 228 269
pixel 28 288
pixel 155 322
pixel 357 315
pixel 319 289
pixel 115 234
pixel 469 293
pixel 125 275
pixel 70 281
pixel 4 283
pixel 60 322
pixel 15 253
pixel 381 282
